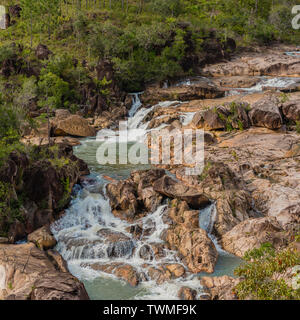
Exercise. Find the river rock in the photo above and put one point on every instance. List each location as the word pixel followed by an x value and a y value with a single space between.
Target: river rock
pixel 265 113
pixel 220 183
pixel 58 261
pixel 291 110
pixel 159 274
pixel 198 251
pixel 200 90
pixel 186 293
pixel 172 189
pixel 272 62
pixel 27 274
pixel 209 119
pixel 226 117
pixel 123 199
pixel 220 288
pixel 251 234
pixel 42 238
pixel 135 196
pixel 73 125
pixel 118 244
pixel 145 190
pixel 125 272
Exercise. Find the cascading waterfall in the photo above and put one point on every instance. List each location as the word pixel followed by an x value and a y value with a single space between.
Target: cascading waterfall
pixel 90 234
pixel 136 104
pixel 280 82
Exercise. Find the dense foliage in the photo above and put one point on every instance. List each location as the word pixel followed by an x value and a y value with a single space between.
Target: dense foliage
pixel 263 274
pixel 146 39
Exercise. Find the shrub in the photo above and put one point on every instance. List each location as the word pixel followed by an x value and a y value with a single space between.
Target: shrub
pixel 259 270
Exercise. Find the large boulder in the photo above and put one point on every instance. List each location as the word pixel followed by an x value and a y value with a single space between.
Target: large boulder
pixel 45 187
pixel 265 113
pixel 196 248
pixel 162 273
pixel 209 120
pixel 123 199
pixel 73 125
pixel 173 189
pixel 225 117
pixel 42 238
pixel 125 272
pixel 135 196
pixel 186 293
pixel 291 110
pixel 27 274
pixel 251 234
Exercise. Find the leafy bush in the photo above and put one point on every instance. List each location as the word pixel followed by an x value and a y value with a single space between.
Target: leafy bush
pixel 9 131
pixel 258 274
pixel 6 52
pixel 55 89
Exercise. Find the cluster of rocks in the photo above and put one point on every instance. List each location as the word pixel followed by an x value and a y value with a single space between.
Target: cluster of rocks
pixel 271 62
pixel 267 112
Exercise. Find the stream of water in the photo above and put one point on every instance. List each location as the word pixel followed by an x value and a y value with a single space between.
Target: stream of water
pixel 81 231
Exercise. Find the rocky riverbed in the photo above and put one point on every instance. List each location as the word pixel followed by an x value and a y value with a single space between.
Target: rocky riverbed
pixel 162 232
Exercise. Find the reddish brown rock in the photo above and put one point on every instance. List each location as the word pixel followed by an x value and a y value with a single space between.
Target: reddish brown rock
pixel 42 238
pixel 27 274
pixel 251 234
pixel 172 189
pixel 220 288
pixel 73 125
pixel 291 110
pixel 186 293
pixel 198 251
pixel 265 113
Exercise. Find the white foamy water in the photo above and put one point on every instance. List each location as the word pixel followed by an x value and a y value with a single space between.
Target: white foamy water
pixel 280 82
pixel 136 104
pixel 137 124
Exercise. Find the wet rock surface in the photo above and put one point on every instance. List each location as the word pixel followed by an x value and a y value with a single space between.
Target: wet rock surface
pixel 42 238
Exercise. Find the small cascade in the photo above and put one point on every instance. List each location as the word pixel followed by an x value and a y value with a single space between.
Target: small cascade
pixel 279 82
pixel 293 53
pixel 186 118
pixel 136 104
pixel 207 218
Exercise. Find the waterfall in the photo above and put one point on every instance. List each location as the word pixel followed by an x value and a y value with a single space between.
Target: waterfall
pixel 207 218
pixel 136 104
pixel 279 82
